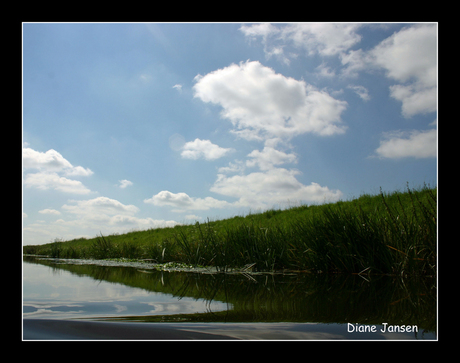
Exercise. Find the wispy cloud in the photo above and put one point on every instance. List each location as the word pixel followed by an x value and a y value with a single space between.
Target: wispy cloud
pixel 49 211
pixel 361 91
pixel 125 183
pixel 325 39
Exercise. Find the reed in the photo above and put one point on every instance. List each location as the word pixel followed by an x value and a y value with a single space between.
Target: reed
pixel 388 233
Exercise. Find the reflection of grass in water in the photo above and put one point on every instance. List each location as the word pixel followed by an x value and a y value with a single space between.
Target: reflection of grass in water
pixel 300 297
pixel 388 233
pixel 306 298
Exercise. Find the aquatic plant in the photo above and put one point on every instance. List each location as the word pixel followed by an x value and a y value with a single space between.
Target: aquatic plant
pixel 102 248
pixel 388 233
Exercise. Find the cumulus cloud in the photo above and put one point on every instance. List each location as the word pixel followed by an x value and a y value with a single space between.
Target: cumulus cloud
pixel 410 55
pixel 418 144
pixel 268 157
pixel 47 180
pixel 415 100
pixel 262 104
pixel 203 149
pixel 90 217
pixel 49 165
pixel 273 186
pixel 109 214
pixel 181 201
pixel 51 161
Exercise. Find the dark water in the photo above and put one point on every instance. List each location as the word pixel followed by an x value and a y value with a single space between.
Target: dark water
pixel 349 306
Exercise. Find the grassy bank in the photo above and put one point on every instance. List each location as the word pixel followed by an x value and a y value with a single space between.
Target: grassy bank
pixel 389 233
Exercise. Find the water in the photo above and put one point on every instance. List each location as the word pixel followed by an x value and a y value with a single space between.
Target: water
pixel 239 305
pixel 63 292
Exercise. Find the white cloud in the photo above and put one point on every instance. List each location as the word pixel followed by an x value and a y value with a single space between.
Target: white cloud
pixel 49 164
pixel 125 183
pixel 355 61
pixel 78 171
pixel 100 206
pixel 234 167
pixel 192 217
pixel 361 91
pixel 415 99
pixel 418 144
pixel 178 87
pixel 45 181
pixel 123 222
pixel 264 30
pixel 324 71
pixel 51 161
pixel 262 104
pixel 273 186
pixel 181 201
pixel 92 217
pixel 49 211
pixel 325 39
pixel 110 215
pixel 410 55
pixel 203 149
pixel 268 157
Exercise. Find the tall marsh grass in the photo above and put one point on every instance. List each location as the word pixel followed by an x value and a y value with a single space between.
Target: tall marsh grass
pixel 389 233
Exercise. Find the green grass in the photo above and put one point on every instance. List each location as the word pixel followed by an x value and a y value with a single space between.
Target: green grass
pixel 388 233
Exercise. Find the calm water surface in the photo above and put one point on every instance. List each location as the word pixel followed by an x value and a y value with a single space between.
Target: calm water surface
pixel 290 302
pixel 51 292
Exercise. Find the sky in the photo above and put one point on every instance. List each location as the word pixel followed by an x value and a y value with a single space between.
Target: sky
pixel 131 126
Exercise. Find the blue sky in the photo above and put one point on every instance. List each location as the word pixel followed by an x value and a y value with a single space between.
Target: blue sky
pixel 130 126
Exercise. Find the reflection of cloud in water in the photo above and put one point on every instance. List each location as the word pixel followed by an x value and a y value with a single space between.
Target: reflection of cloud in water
pixel 186 306
pixel 120 308
pixel 63 295
pixel 39 309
